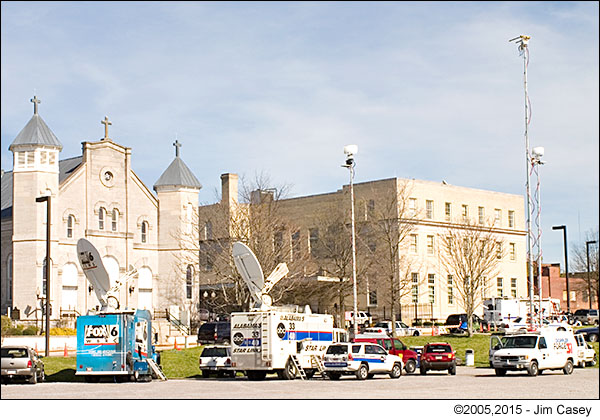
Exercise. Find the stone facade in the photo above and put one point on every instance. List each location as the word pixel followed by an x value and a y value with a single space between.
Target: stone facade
pixel 99 197
pixel 436 207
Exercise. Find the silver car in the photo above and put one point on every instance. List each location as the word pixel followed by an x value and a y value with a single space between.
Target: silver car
pixel 21 362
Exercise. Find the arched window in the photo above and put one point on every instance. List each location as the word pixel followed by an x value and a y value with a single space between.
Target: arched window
pixel 115 220
pixel 70 223
pixel 101 217
pixel 144 232
pixel 189 276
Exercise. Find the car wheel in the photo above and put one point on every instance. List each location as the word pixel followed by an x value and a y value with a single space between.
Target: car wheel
pixel 333 376
pixel 592 338
pixel 363 372
pixel 533 369
pixel 411 366
pixel 396 371
pixel 423 370
pixel 568 369
pixel 500 372
pixel 452 370
pixel 416 333
pixel 205 373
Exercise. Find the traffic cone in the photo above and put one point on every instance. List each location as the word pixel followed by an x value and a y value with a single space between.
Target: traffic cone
pixel 36 350
pixel 65 352
pixel 175 345
pixel 481 328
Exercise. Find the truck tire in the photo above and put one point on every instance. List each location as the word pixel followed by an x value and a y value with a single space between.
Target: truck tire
pixel 205 373
pixel 396 371
pixel 362 372
pixel 410 366
pixel 568 369
pixel 289 372
pixel 533 369
pixel 500 372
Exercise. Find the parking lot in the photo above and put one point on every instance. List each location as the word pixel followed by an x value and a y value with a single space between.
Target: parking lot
pixel 469 383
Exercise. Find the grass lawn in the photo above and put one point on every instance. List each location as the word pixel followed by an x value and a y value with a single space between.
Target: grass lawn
pixel 184 363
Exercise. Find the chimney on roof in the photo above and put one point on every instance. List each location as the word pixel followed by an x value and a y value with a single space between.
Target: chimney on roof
pixel 229 188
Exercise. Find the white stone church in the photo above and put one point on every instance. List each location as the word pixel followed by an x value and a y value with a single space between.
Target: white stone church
pixel 99 197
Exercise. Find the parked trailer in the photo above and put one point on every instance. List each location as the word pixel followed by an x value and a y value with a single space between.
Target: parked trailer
pixel 280 341
pixel 117 344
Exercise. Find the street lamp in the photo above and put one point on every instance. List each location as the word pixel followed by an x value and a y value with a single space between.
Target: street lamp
pixel 47 199
pixel 536 161
pixel 587 252
pixel 350 151
pixel 564 229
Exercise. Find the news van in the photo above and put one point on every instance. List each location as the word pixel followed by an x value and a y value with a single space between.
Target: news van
pixel 546 349
pixel 499 311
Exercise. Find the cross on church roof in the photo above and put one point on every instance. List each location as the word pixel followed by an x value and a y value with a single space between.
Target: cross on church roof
pixel 177 146
pixel 106 124
pixel 35 101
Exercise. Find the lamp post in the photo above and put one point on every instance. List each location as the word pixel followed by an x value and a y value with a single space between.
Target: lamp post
pixel 47 199
pixel 536 161
pixel 564 229
pixel 350 151
pixel 587 252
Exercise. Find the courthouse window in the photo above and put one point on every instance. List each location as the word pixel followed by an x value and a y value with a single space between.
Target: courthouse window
pixel 101 217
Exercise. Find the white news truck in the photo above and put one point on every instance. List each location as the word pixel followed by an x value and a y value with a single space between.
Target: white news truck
pixel 279 341
pixel 546 349
pixel 497 311
pixel 282 340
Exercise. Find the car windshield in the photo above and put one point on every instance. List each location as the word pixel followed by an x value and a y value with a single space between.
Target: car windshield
pixel 439 348
pixel 337 349
pixel 581 312
pixel 518 320
pixel 520 342
pixel 382 324
pixel 214 352
pixel 14 353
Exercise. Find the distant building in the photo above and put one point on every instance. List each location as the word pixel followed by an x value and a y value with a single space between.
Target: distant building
pixel 438 206
pixel 99 197
pixel 554 285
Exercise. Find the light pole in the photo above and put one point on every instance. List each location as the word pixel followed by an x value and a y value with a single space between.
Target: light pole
pixel 536 160
pixel 587 252
pixel 47 199
pixel 564 229
pixel 350 151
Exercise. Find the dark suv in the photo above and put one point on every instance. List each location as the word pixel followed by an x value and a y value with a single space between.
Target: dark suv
pixel 214 333
pixel 586 316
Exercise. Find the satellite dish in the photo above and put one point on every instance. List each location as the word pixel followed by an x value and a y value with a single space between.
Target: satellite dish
pixel 94 270
pixel 249 268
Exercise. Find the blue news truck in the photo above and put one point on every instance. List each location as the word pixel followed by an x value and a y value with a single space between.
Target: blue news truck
pixel 116 344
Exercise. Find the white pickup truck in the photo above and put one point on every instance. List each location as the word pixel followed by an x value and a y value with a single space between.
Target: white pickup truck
pixel 546 349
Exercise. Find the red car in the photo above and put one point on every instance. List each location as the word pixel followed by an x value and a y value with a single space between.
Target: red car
pixel 393 346
pixel 438 356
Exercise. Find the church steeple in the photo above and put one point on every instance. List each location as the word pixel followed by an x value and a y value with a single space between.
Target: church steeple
pixel 36 132
pixel 177 174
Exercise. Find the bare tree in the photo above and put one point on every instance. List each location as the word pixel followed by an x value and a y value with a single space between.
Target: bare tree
pixel 470 253
pixel 258 221
pixel 579 263
pixel 392 225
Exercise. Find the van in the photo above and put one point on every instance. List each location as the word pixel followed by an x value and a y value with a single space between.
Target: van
pixel 393 346
pixel 214 333
pixel 546 349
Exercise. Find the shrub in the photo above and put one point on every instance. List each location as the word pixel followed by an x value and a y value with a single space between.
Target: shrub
pixel 6 324
pixel 31 330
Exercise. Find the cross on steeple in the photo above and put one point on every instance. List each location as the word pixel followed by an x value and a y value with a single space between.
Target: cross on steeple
pixel 35 101
pixel 177 146
pixel 106 124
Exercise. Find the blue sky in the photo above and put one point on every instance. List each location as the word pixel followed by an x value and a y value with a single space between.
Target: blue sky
pixel 427 90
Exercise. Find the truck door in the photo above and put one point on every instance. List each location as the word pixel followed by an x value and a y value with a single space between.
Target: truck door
pixel 545 359
pixel 495 345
